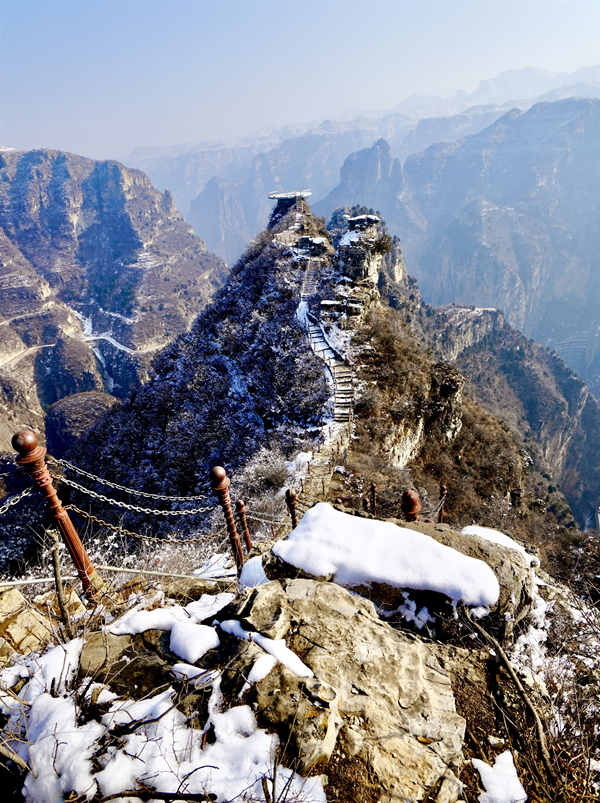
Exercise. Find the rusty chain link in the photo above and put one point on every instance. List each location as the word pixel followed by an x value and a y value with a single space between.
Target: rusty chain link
pixel 124 531
pixel 263 520
pixel 135 508
pixel 65 464
pixel 14 500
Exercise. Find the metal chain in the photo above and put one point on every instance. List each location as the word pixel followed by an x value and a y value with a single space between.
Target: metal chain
pixel 124 531
pixel 124 488
pixel 434 511
pixel 136 508
pixel 275 522
pixel 14 500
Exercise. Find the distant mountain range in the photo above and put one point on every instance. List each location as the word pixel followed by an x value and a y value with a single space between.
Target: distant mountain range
pixel 504 218
pixel 220 187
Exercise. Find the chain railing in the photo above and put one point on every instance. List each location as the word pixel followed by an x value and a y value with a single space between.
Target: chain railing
pixel 14 500
pixel 124 531
pixel 133 491
pixel 127 506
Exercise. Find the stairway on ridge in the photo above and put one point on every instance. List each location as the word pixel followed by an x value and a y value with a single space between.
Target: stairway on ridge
pixel 340 370
pixel 318 477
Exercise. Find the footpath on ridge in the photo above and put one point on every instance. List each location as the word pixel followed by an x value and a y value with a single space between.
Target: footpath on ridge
pixel 338 432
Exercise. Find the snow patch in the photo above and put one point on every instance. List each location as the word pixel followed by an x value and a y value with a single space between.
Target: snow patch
pixel 166 755
pixel 275 647
pixel 138 621
pixel 208 605
pixel 498 537
pixel 501 782
pixel 252 574
pixel 260 669
pixel 330 543
pixel 190 641
pixel 350 237
pixel 59 752
pixel 219 565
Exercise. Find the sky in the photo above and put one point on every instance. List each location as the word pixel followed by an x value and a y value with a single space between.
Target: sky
pixel 101 78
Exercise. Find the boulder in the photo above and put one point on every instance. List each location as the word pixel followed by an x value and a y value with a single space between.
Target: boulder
pixel 48 604
pixel 22 627
pixel 100 652
pixel 380 696
pixel 510 567
pixel 515 580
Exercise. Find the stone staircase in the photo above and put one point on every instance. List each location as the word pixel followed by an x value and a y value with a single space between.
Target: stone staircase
pixel 311 279
pixel 337 437
pixel 340 370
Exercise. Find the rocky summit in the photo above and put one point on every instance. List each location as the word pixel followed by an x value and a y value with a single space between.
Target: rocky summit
pixel 98 271
pixel 420 383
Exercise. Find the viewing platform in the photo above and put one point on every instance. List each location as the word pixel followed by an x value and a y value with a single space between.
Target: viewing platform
pixel 289 196
pixel 287 201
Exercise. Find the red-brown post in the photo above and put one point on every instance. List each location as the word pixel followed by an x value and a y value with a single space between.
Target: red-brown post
pixel 373 490
pixel 410 505
pixel 240 506
pixel 32 458
pixel 291 497
pixel 220 484
pixel 443 495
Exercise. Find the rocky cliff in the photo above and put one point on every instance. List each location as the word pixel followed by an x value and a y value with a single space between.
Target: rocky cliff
pixel 244 378
pixel 98 271
pixel 503 218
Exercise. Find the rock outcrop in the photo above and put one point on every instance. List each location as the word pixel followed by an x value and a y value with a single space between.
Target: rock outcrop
pixel 23 628
pixel 379 696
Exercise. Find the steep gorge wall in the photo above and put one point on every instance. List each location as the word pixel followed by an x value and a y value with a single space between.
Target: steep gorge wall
pixel 98 271
pixel 505 218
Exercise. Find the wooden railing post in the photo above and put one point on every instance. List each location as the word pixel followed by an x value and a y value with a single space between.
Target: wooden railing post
pixel 240 506
pixel 220 484
pixel 32 458
pixel 373 490
pixel 443 495
pixel 410 505
pixel 291 497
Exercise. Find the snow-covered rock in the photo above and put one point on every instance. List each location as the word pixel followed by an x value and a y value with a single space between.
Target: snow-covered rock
pixel 366 553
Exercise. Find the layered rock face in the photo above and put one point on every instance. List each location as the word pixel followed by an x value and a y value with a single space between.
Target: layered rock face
pixel 98 271
pixel 504 218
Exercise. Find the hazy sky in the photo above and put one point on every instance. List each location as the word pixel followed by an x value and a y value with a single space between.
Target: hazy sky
pixel 100 78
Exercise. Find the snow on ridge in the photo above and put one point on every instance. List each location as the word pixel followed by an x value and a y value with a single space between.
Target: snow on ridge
pixel 356 551
pixel 500 538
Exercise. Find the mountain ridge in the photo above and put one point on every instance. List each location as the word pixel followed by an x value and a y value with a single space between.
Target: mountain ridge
pixel 98 270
